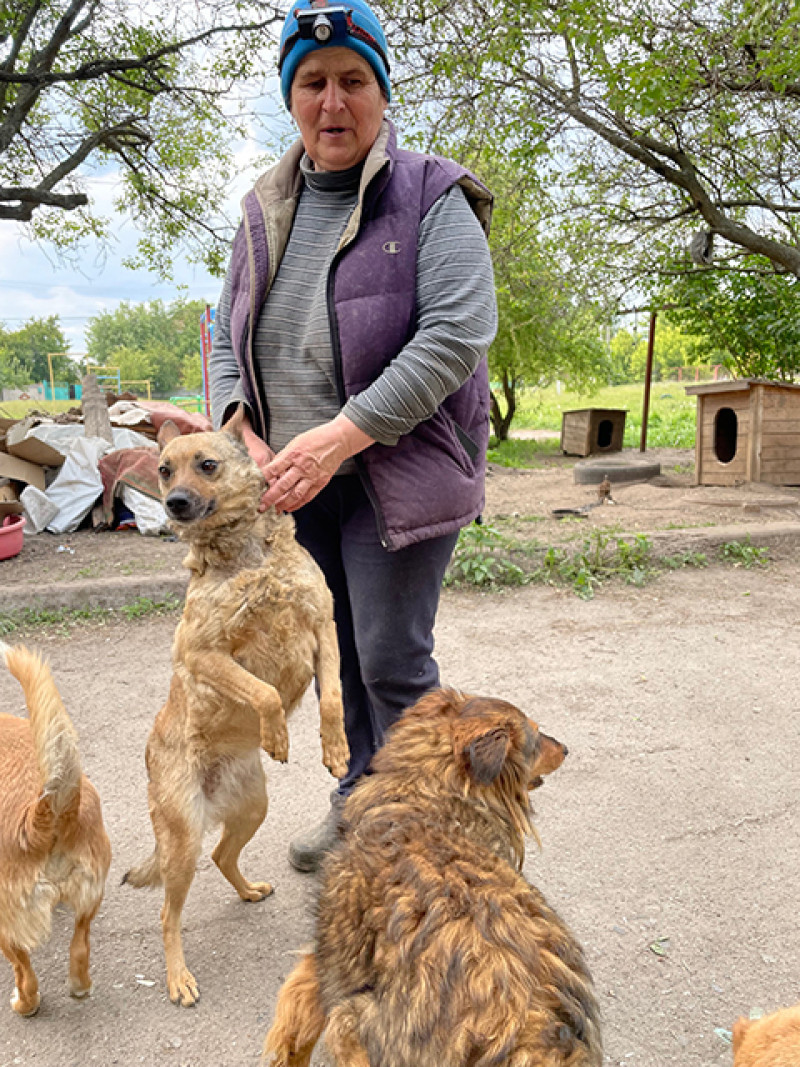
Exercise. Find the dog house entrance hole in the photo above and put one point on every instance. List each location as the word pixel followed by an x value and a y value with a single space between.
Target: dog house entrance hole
pixel 605 432
pixel 726 431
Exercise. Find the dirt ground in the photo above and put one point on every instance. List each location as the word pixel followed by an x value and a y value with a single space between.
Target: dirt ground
pixel 669 836
pixel 670 507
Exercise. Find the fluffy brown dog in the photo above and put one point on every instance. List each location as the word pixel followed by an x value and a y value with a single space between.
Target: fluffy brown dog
pixel 257 627
pixel 53 845
pixel 431 948
pixel 773 1041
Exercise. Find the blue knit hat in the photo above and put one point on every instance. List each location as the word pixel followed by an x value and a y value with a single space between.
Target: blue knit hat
pixel 351 24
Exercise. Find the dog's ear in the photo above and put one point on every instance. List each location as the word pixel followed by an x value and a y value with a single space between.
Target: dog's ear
pixel 168 432
pixel 235 424
pixel 485 755
pixel 482 739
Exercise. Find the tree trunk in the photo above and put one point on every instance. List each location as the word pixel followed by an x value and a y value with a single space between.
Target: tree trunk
pixel 500 422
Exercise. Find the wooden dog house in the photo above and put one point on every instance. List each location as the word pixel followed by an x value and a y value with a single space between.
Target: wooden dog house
pixel 592 431
pixel 747 431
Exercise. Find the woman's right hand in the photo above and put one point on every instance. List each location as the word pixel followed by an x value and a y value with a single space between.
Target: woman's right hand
pixel 259 450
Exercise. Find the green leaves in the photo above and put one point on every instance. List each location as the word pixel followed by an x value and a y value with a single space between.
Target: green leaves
pixel 152 341
pixel 149 91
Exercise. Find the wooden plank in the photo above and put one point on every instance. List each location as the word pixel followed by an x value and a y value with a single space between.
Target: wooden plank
pixel 780 399
pixel 722 478
pixel 781 466
pixel 780 445
pixel 753 436
pixel 698 443
pixel 775 424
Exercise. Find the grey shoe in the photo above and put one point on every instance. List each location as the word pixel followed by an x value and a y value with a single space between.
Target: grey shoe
pixel 308 850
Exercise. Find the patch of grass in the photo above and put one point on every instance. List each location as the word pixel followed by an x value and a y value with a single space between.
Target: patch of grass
pixel 18 409
pixel 521 452
pixel 64 620
pixel 743 554
pixel 671 421
pixel 143 607
pixel 87 572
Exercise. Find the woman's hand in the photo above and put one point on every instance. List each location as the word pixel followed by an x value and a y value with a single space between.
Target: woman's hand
pixel 309 461
pixel 259 450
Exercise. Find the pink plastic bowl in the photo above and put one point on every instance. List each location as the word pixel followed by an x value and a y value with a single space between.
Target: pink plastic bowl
pixel 11 536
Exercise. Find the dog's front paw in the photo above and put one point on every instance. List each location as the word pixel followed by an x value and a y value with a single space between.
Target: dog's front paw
pixel 183 988
pixel 275 740
pixel 25 1005
pixel 335 754
pixel 252 892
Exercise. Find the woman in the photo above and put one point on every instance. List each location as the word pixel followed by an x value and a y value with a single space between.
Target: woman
pixel 354 324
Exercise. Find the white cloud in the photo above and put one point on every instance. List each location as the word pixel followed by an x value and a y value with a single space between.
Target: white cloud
pixel 35 283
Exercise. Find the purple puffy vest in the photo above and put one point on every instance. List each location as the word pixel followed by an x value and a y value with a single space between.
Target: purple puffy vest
pixel 432 481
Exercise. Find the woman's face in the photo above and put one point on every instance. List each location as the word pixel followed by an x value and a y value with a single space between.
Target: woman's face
pixel 338 106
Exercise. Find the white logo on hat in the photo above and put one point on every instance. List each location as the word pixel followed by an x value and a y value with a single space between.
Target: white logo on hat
pixel 391 248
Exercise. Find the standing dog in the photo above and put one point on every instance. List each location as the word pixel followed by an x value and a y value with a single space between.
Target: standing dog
pixel 772 1041
pixel 53 845
pixel 256 629
pixel 431 948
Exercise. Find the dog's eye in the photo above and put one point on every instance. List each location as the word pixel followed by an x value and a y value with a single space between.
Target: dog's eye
pixel 208 466
pixel 164 472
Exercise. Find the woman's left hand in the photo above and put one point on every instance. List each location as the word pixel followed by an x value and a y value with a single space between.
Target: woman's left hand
pixel 306 465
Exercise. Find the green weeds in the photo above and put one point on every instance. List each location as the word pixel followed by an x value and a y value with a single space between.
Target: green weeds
pixel 486 558
pixel 743 554
pixel 482 558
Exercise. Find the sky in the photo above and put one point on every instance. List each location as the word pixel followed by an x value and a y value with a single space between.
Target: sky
pixel 33 283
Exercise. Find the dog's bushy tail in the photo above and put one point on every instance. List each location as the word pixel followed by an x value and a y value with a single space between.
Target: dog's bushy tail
pixel 54 737
pixel 146 874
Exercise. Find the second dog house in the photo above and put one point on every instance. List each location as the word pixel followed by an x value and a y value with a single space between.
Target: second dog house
pixel 589 431
pixel 747 431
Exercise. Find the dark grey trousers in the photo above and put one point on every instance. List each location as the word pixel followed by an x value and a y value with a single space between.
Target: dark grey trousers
pixel 385 606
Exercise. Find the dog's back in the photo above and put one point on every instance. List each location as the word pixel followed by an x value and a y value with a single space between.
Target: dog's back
pixel 458 956
pixel 772 1041
pixel 52 842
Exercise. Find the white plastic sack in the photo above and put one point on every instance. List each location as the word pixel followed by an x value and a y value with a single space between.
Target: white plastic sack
pixel 151 519
pixel 64 437
pixel 38 510
pixel 77 485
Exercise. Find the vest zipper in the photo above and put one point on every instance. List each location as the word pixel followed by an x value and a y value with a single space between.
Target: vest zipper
pixel 255 376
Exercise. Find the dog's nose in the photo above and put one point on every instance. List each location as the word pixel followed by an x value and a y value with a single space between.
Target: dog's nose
pixel 566 751
pixel 178 503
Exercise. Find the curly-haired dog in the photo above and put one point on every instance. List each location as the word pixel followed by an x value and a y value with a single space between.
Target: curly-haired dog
pixel 431 948
pixel 772 1041
pixel 257 628
pixel 53 845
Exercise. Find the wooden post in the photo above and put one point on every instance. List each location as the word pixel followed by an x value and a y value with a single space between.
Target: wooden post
pixel 648 374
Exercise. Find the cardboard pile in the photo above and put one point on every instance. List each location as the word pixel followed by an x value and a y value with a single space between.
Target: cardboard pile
pixel 55 470
pixel 33 449
pixel 21 464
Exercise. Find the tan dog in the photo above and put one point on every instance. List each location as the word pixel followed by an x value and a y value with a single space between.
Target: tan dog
pixel 772 1041
pixel 256 629
pixel 431 948
pixel 53 845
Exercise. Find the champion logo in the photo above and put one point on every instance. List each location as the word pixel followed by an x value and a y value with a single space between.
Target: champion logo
pixel 391 248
